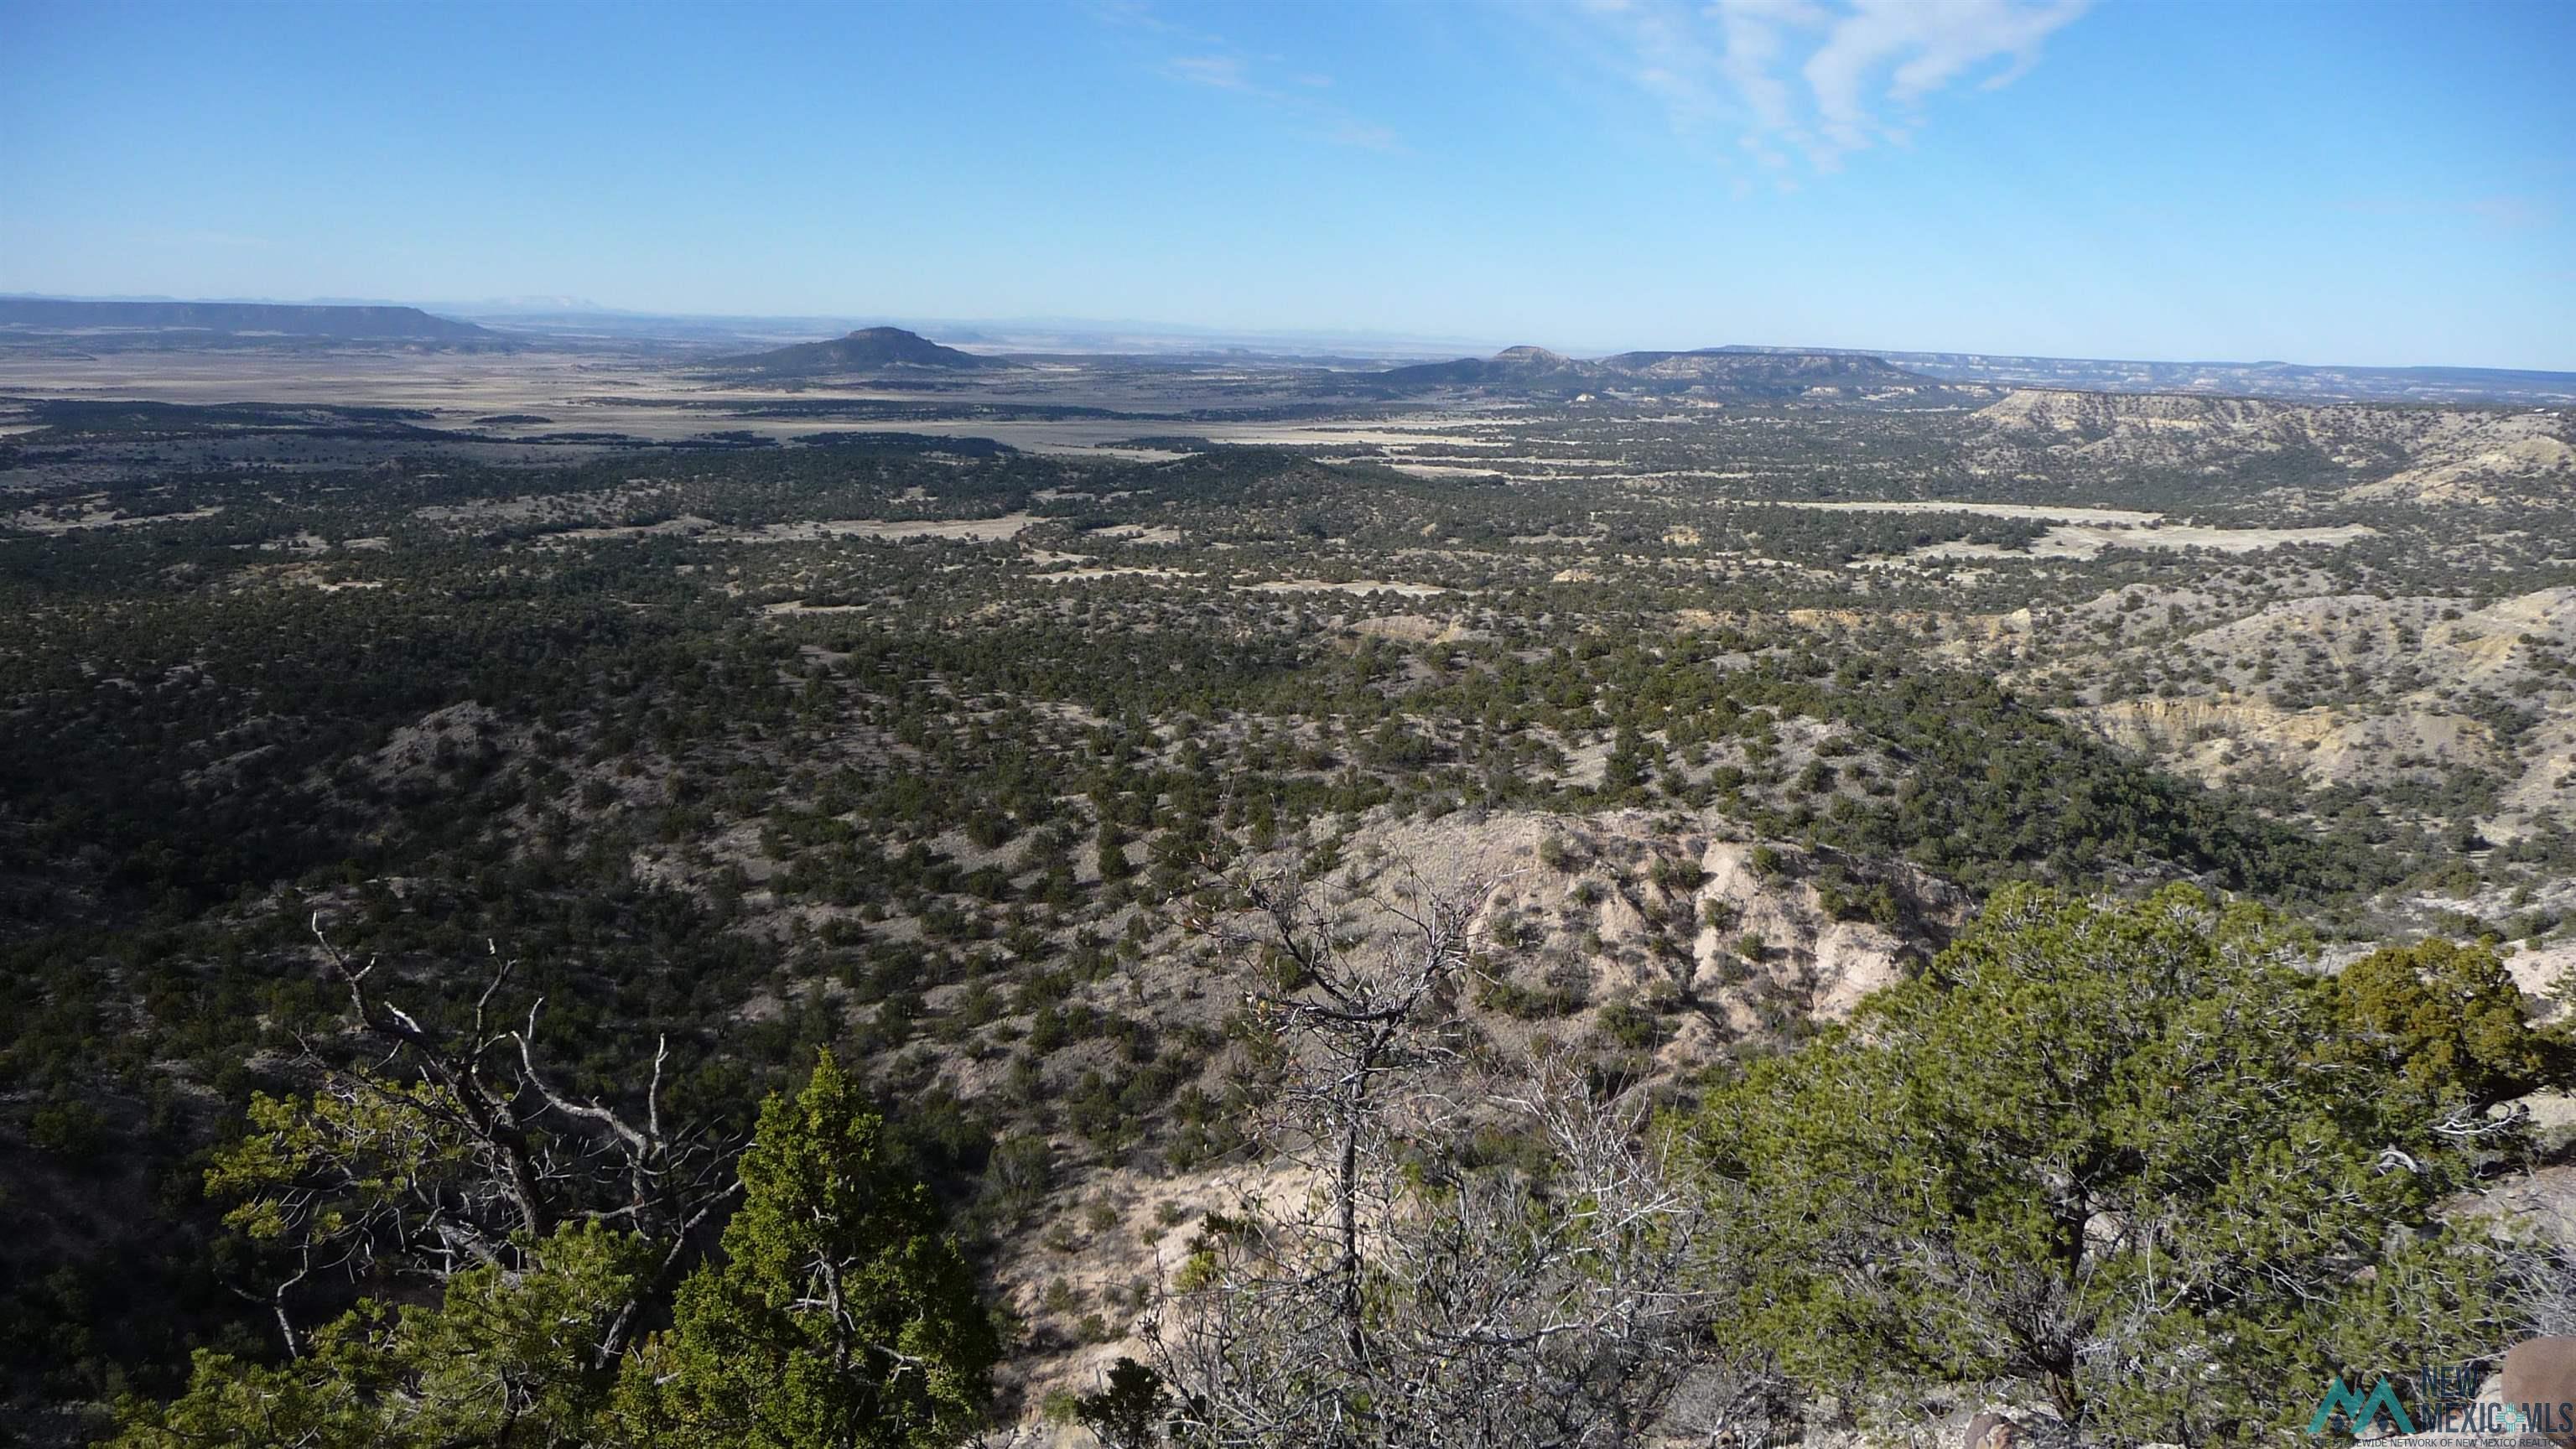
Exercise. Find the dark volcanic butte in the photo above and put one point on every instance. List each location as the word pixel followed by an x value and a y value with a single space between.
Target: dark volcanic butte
pixel 868 349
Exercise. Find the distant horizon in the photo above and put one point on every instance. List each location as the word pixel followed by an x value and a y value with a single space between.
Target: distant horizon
pixel 486 309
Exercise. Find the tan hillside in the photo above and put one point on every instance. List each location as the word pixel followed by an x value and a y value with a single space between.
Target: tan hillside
pixel 2339 689
pixel 2431 455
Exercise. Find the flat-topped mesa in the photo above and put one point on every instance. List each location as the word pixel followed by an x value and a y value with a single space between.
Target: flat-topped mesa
pixel 1716 372
pixel 52 314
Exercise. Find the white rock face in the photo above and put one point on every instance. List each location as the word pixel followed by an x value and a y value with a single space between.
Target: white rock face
pixel 2425 455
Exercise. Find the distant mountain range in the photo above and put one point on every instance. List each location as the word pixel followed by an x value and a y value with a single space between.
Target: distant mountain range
pixel 1732 372
pixel 1356 362
pixel 2296 381
pixel 47 314
pixel 866 350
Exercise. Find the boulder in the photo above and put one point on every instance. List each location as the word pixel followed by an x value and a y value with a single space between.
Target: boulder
pixel 1991 1430
pixel 2540 1375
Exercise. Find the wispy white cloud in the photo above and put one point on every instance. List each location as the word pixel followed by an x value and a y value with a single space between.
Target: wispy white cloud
pixel 1755 44
pixel 1366 135
pixel 1822 78
pixel 1203 58
pixel 1221 72
pixel 1297 96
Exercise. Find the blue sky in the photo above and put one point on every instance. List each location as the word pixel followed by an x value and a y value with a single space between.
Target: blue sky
pixel 2347 182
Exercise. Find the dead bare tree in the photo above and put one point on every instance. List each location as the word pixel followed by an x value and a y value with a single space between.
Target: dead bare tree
pixel 1351 1007
pixel 1409 1298
pixel 2540 1268
pixel 419 1152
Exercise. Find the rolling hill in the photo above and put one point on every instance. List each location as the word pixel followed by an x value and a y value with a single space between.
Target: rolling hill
pixel 867 350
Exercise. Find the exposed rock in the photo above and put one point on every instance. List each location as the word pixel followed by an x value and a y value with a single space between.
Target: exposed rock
pixel 2428 455
pixel 2540 1376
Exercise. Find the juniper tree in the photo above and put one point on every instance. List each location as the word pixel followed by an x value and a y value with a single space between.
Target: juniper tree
pixel 2131 1159
pixel 840 1316
pixel 504 1357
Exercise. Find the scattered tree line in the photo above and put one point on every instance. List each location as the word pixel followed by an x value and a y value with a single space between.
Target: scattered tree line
pixel 2131 1167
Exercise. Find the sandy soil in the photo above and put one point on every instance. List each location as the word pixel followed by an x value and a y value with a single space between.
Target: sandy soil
pixel 2045 513
pixel 971 530
pixel 1080 574
pixel 2079 541
pixel 36 522
pixel 1355 586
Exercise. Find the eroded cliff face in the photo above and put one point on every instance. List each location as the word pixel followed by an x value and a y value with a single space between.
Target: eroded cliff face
pixel 1658 939
pixel 2333 689
pixel 2360 453
pixel 2328 745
